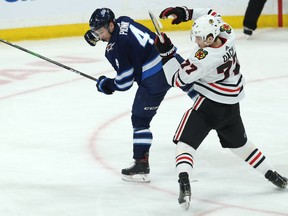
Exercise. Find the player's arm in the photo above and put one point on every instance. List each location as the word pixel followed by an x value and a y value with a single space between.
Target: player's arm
pixel 124 65
pixel 122 82
pixel 124 71
pixel 177 75
pixel 181 75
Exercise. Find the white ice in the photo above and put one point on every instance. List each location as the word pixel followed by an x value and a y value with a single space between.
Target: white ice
pixel 63 144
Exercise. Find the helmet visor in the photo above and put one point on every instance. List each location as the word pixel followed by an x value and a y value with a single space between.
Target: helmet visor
pixel 101 32
pixel 95 34
pixel 194 38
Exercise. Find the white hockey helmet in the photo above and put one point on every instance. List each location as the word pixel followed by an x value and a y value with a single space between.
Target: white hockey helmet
pixel 204 26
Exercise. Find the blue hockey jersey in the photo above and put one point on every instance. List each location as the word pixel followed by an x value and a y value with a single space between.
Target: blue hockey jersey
pixel 132 54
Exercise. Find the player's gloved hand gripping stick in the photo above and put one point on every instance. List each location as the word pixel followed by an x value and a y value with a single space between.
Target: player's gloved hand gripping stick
pixel 49 60
pixel 165 47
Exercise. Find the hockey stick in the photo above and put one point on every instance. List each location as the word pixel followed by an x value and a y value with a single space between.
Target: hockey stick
pixel 157 25
pixel 49 60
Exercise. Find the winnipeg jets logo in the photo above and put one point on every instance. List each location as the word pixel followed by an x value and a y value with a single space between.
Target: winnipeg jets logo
pixel 110 47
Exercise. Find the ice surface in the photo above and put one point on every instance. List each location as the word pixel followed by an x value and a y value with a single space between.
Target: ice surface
pixel 63 144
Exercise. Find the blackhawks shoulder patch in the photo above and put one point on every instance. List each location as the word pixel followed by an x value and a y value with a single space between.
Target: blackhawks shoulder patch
pixel 201 54
pixel 225 27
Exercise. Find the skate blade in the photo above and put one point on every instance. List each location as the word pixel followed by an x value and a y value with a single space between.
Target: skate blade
pixel 185 205
pixel 142 178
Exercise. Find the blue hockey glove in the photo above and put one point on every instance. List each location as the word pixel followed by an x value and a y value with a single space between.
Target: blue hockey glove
pixel 180 14
pixel 165 49
pixel 102 85
pixel 91 38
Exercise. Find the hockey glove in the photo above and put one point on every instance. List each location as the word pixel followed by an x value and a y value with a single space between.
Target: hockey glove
pixel 165 49
pixel 91 38
pixel 189 89
pixel 180 14
pixel 102 85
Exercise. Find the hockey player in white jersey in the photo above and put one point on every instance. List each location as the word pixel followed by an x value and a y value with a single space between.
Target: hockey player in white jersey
pixel 214 69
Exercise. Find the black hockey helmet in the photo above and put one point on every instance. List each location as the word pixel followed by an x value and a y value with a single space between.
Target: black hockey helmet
pixel 101 17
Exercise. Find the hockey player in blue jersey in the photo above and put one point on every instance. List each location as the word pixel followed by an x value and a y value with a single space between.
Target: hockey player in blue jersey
pixel 131 52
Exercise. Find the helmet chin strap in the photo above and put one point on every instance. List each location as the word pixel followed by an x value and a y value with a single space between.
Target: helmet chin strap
pixel 109 28
pixel 113 28
pixel 110 32
pixel 208 44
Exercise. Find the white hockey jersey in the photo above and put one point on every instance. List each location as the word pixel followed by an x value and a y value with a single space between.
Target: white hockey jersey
pixel 215 72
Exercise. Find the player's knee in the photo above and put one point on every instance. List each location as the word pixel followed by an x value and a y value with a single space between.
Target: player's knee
pixel 141 122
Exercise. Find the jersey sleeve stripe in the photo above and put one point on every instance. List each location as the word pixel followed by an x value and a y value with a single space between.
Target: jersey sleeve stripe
pixel 224 89
pixel 152 67
pixel 124 80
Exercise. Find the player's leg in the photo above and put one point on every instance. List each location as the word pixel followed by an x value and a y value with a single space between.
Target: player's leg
pixel 252 14
pixel 256 159
pixel 234 137
pixel 142 140
pixel 190 133
pixel 144 109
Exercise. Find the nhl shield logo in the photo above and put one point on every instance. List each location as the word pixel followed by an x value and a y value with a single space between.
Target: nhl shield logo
pixel 201 54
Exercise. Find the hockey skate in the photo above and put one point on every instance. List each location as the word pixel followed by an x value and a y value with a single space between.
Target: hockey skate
pixel 248 31
pixel 185 190
pixel 138 172
pixel 276 179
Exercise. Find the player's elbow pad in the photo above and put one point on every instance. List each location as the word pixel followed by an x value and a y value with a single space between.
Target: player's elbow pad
pixel 170 68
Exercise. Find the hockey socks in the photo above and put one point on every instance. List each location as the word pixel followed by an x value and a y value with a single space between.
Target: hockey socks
pixel 184 158
pixel 142 140
pixel 253 156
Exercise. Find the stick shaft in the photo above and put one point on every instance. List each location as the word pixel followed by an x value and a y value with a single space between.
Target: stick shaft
pixel 49 60
pixel 156 26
